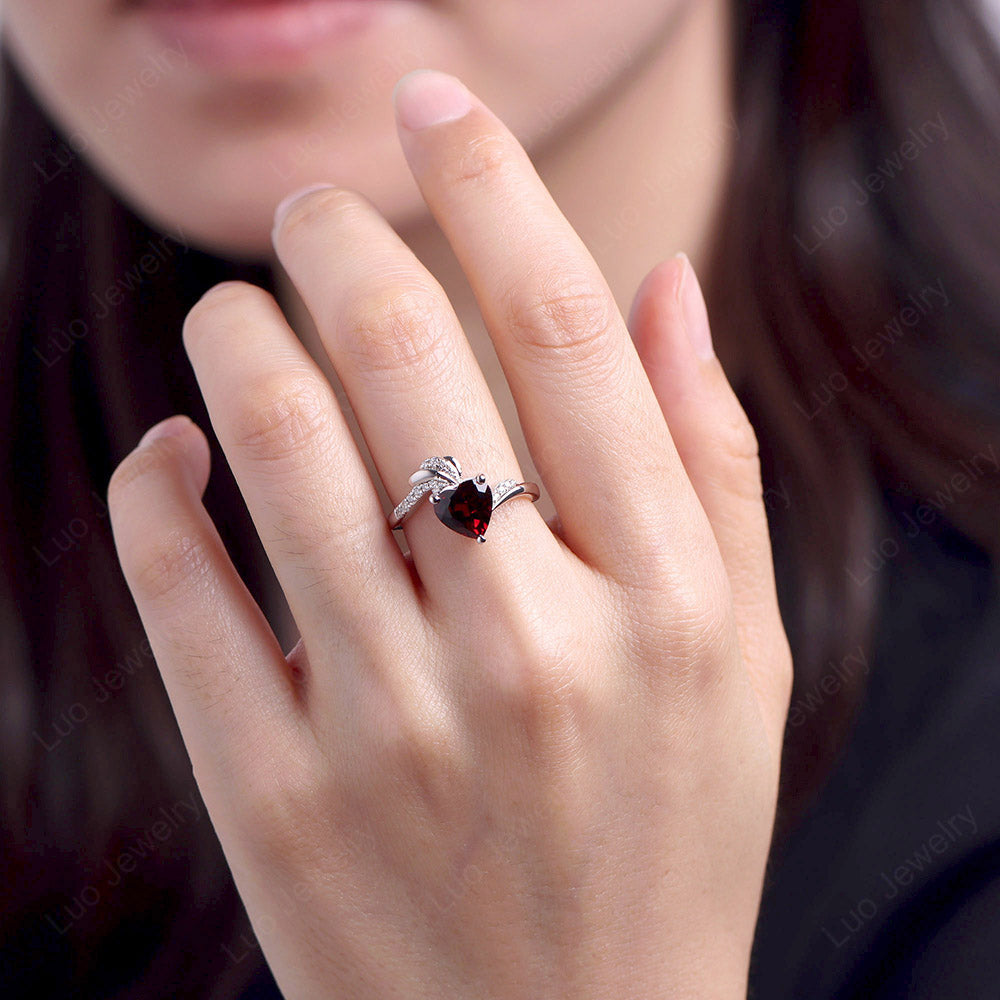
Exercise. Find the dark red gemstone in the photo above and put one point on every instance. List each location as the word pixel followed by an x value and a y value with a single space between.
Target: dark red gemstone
pixel 466 508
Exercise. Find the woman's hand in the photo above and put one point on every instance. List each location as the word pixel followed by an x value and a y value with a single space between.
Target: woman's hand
pixel 541 767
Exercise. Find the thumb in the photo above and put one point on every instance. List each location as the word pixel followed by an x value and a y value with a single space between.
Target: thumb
pixel 718 446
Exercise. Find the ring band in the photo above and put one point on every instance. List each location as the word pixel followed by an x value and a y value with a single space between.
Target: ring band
pixel 464 505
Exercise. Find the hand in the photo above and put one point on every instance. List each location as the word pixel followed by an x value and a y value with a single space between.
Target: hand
pixel 541 767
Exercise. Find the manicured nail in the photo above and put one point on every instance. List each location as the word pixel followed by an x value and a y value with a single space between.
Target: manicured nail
pixel 286 203
pixel 694 311
pixel 426 97
pixel 165 428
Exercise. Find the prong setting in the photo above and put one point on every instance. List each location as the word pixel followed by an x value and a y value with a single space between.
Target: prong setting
pixel 463 505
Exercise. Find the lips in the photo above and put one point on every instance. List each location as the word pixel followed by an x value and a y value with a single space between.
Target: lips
pixel 222 5
pixel 252 34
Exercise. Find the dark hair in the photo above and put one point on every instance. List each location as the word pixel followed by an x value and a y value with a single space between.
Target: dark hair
pixel 846 206
pixel 855 262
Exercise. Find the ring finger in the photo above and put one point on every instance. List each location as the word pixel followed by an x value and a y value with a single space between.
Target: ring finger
pixel 410 374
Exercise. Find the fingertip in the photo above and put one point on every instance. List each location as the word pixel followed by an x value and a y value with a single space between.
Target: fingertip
pixel 180 432
pixel 694 310
pixel 171 427
pixel 658 287
pixel 656 325
pixel 424 97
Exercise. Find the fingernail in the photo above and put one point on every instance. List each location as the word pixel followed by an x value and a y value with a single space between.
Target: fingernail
pixel 426 97
pixel 286 203
pixel 170 427
pixel 694 311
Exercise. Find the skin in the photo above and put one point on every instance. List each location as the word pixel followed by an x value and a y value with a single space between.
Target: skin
pixel 209 154
pixel 541 767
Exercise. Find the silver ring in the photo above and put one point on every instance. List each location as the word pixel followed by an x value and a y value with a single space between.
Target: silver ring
pixel 464 505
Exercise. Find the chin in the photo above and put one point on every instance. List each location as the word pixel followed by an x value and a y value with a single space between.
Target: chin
pixel 239 228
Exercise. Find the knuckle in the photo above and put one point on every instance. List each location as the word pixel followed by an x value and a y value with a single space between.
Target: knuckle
pixel 168 566
pixel 393 330
pixel 540 674
pixel 279 800
pixel 318 207
pixel 421 749
pixel 698 617
pixel 227 308
pixel 413 746
pixel 283 418
pixel 484 158
pixel 565 315
pixel 542 681
pixel 735 440
pixel 740 438
pixel 784 670
pixel 681 616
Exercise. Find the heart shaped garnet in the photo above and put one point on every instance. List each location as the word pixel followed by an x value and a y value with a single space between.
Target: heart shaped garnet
pixel 466 508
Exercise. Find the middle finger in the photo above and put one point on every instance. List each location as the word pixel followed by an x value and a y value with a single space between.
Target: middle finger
pixel 589 414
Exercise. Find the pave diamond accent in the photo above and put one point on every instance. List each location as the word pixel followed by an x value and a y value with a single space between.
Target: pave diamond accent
pixel 502 489
pixel 417 494
pixel 447 467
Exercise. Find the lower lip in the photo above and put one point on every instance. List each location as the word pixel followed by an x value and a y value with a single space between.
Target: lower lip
pixel 261 33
